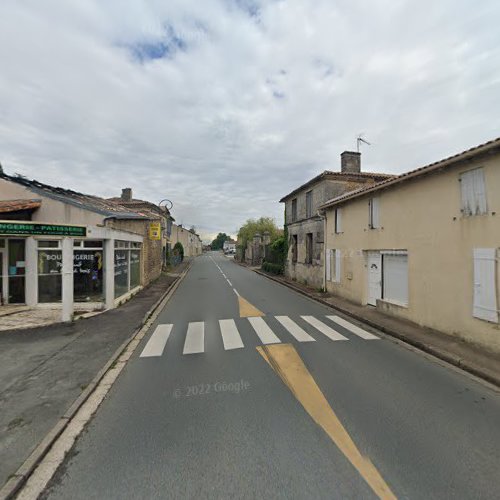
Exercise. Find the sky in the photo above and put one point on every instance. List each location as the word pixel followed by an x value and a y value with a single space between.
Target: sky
pixel 225 106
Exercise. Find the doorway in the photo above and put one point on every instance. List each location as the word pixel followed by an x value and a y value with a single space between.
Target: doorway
pixel 16 272
pixel 374 277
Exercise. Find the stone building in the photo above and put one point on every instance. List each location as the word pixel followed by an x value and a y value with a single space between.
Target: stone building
pixel 305 259
pixel 191 242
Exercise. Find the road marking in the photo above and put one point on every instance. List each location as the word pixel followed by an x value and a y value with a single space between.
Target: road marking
pixel 157 341
pixel 288 365
pixel 230 284
pixel 265 334
pixel 329 332
pixel 294 329
pixel 353 328
pixel 247 310
pixel 236 292
pixel 195 338
pixel 230 335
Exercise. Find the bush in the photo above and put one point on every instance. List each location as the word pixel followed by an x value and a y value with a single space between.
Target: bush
pixel 178 250
pixel 269 267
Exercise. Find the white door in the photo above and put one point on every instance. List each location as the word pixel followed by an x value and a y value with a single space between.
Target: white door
pixel 374 277
pixel 485 297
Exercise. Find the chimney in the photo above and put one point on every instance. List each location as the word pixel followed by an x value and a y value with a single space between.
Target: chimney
pixel 350 162
pixel 126 194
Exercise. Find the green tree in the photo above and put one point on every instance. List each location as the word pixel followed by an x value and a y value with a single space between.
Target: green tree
pixel 218 243
pixel 252 226
pixel 178 250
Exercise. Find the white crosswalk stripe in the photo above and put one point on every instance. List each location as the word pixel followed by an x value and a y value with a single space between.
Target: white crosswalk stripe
pixel 294 329
pixel 230 335
pixel 157 341
pixel 194 341
pixel 325 329
pixel 195 338
pixel 353 328
pixel 265 334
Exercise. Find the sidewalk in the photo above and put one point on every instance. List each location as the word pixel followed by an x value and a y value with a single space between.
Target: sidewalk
pixel 453 350
pixel 44 370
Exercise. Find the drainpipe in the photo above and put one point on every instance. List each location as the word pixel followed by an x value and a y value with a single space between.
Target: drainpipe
pixel 323 215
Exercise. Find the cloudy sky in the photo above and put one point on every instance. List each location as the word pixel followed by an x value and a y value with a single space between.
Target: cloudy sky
pixel 224 106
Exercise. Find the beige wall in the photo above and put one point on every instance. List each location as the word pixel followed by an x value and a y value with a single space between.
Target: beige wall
pixel 52 211
pixel 424 218
pixel 191 242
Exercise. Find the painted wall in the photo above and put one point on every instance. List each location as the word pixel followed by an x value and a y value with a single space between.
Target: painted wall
pixel 424 217
pixel 191 242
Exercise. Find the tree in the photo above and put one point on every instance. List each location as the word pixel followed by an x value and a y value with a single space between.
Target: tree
pixel 252 226
pixel 218 243
pixel 179 250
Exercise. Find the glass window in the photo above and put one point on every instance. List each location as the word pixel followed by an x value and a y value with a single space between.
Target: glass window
pixel 121 272
pixel 309 208
pixel 135 268
pixel 77 243
pixel 2 243
pixel 88 275
pixel 49 275
pixel 16 271
pixel 92 244
pixel 49 243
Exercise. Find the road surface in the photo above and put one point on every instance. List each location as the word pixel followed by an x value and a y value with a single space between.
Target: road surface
pixel 245 389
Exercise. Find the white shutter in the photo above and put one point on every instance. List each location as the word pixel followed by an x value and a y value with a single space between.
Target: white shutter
pixel 375 212
pixel 473 189
pixel 485 297
pixel 338 221
pixel 395 272
pixel 337 265
pixel 329 265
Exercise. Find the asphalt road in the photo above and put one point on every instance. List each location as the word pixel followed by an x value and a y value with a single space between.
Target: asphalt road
pixel 224 423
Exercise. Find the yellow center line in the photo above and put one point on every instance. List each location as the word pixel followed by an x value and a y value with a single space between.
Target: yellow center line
pixel 286 362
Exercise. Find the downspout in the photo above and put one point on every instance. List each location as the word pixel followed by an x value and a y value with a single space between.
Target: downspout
pixel 322 214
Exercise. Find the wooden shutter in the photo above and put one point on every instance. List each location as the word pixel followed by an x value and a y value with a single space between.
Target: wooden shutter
pixel 473 189
pixel 485 297
pixel 337 265
pixel 338 220
pixel 375 212
pixel 329 265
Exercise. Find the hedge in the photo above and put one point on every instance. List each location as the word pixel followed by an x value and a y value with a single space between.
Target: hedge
pixel 269 267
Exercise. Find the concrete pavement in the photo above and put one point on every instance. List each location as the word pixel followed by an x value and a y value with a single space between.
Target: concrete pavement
pixel 211 419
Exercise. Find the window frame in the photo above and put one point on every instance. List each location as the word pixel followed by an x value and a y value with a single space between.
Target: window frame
pixel 374 212
pixel 473 186
pixel 309 204
pixel 309 248
pixel 294 209
pixel 338 221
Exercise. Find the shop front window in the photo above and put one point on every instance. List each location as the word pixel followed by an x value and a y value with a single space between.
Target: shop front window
pixel 49 271
pixel 16 271
pixel 127 267
pixel 88 271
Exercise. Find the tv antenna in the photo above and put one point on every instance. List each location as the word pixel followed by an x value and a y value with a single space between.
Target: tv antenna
pixel 360 140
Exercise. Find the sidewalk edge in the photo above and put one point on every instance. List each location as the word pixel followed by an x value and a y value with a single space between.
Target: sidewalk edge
pixel 13 485
pixel 464 365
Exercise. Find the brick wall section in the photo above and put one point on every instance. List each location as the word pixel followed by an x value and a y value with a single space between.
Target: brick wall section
pixel 152 257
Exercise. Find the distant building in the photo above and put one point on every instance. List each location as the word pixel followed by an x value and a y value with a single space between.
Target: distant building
pixel 424 246
pixel 305 260
pixel 191 242
pixel 229 246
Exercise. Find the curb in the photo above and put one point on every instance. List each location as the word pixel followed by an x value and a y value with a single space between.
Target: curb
pixel 23 473
pixel 471 368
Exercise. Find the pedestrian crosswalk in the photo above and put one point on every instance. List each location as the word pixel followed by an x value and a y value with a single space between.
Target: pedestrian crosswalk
pixel 194 340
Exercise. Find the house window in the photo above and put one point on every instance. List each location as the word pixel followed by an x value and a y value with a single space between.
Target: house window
pixel 485 297
pixel 395 277
pixel 309 204
pixel 333 265
pixel 338 220
pixel 294 248
pixel 373 213
pixel 309 248
pixel 473 193
pixel 294 209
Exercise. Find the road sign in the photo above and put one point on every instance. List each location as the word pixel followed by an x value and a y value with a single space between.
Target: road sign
pixel 155 231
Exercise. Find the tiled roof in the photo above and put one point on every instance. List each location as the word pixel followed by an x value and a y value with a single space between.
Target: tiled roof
pixel 412 174
pixel 7 206
pixel 329 174
pixel 84 201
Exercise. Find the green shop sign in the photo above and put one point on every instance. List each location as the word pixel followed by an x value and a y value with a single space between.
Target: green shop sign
pixel 39 229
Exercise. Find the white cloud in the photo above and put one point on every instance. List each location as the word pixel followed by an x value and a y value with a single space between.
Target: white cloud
pixel 250 100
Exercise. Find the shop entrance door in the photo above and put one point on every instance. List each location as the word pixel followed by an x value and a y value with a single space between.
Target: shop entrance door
pixel 16 271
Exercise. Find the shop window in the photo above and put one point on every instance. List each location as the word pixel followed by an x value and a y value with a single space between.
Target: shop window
pixel 49 271
pixel 88 274
pixel 127 266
